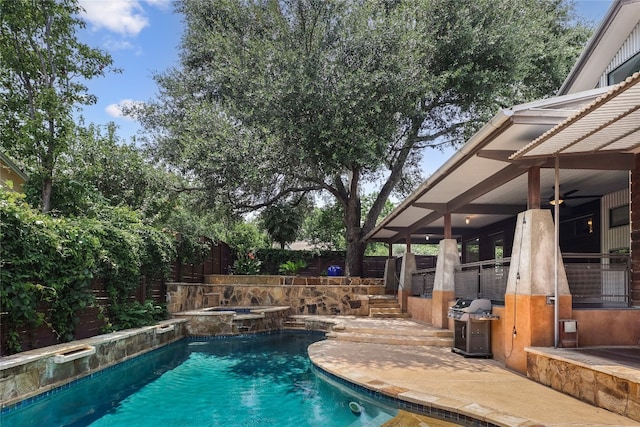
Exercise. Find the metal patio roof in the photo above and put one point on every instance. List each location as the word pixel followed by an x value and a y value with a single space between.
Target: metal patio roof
pixel 609 124
pixel 482 184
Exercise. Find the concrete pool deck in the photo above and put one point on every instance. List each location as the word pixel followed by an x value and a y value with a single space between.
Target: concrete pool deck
pixel 435 377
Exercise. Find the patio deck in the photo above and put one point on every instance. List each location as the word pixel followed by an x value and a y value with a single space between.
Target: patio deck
pixel 436 379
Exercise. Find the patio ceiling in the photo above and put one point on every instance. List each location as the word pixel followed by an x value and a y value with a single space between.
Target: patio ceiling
pixel 483 184
pixel 610 124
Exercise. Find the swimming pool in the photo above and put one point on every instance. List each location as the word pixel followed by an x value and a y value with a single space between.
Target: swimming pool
pixel 253 380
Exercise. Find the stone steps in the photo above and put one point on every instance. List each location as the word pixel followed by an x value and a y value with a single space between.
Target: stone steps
pixel 368 330
pixel 390 312
pixel 294 324
pixel 391 338
pixel 385 306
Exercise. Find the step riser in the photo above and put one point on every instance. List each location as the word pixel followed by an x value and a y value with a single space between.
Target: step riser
pixel 390 316
pixel 435 342
pixel 441 333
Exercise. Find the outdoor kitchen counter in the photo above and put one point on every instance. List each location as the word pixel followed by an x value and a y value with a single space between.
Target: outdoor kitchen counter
pixel 436 377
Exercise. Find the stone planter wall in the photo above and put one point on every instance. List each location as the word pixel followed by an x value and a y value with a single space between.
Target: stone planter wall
pixel 33 372
pixel 304 295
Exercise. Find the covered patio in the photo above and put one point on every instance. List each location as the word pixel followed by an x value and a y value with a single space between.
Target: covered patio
pixel 534 212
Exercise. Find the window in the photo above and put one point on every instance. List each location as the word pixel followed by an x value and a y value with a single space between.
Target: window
pixel 625 70
pixel 619 216
pixel 497 241
pixel 472 250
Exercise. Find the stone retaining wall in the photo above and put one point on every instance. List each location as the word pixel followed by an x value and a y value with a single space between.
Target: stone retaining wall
pixel 613 388
pixel 33 372
pixel 305 295
pixel 211 323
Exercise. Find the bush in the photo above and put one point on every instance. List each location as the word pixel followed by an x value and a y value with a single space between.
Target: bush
pixel 47 266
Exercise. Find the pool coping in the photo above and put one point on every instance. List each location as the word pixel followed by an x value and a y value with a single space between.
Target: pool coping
pixel 26 375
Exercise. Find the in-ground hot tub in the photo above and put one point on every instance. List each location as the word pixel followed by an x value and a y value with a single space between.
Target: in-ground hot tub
pixel 229 320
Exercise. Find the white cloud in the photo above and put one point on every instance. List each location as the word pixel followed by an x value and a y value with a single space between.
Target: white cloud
pixel 125 17
pixel 111 44
pixel 115 110
pixel 162 4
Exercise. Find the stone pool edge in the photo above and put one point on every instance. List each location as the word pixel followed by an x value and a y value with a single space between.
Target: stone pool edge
pixel 31 373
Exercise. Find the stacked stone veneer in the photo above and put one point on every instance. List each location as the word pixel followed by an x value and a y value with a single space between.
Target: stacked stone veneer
pixel 304 295
pixel 613 388
pixel 30 373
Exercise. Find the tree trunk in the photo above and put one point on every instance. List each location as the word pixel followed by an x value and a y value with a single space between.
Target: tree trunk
pixel 355 245
pixel 354 261
pixel 47 185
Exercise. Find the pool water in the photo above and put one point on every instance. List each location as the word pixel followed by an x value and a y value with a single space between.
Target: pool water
pixel 261 380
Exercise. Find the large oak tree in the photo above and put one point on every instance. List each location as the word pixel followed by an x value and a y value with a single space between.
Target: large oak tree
pixel 277 97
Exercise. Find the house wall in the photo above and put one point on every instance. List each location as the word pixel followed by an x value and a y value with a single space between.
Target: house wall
pixel 607 327
pixel 419 309
pixel 7 174
pixel 616 237
pixel 630 47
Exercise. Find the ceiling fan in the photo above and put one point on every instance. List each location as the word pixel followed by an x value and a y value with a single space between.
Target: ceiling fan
pixel 569 196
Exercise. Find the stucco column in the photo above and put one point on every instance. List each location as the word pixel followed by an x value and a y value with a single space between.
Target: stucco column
pixel 528 319
pixel 390 278
pixel 406 277
pixel 443 286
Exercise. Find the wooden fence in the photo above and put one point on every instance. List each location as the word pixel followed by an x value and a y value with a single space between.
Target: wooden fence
pixel 218 261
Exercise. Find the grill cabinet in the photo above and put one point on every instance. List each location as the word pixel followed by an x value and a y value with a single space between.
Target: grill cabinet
pixel 472 327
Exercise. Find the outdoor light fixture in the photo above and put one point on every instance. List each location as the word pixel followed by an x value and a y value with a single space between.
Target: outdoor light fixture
pixel 552 200
pixel 426 237
pixel 467 220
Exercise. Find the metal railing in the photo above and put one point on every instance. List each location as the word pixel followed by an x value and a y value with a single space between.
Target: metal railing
pixel 422 282
pixel 595 280
pixel 598 280
pixel 483 279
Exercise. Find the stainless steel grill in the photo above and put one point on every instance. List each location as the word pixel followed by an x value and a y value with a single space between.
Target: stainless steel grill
pixel 472 327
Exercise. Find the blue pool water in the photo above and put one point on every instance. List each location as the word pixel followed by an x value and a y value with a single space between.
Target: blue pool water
pixel 263 380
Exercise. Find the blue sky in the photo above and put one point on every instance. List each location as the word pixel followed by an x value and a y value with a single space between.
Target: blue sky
pixel 143 37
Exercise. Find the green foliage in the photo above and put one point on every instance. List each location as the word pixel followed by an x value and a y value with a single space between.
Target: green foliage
pixel 244 238
pixel 264 105
pixel 282 222
pixel 247 264
pixel 292 267
pixel 134 315
pixel 48 264
pixel 46 268
pixel 42 80
pixel 324 227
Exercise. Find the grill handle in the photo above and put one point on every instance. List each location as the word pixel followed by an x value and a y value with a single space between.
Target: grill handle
pixel 464 327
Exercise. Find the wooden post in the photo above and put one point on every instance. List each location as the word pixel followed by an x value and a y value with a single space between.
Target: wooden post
pixel 447 226
pixel 533 196
pixel 408 243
